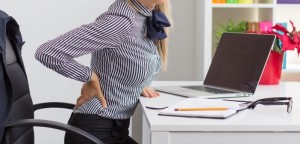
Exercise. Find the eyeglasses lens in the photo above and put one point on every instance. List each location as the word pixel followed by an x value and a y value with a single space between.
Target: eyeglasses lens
pixel 290 106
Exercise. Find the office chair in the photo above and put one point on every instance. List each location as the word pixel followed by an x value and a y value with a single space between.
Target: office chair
pixel 20 121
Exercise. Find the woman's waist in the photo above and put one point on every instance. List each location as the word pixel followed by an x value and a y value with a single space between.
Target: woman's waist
pixel 116 108
pixel 80 117
pixel 126 76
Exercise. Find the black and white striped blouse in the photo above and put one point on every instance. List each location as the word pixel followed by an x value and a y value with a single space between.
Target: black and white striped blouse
pixel 124 59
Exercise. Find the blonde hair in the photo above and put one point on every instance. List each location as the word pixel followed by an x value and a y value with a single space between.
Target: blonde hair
pixel 162 45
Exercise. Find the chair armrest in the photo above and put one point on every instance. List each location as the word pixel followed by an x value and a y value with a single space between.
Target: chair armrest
pixel 53 105
pixel 51 124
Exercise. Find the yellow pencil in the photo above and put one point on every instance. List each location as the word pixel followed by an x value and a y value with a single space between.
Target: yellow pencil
pixel 201 109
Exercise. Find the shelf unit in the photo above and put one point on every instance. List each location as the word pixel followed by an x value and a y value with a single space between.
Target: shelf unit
pixel 215 14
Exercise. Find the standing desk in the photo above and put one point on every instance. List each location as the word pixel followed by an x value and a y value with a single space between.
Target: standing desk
pixel 262 125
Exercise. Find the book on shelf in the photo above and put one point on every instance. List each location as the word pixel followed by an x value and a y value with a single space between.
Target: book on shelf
pixel 218 1
pixel 288 1
pixel 232 1
pixel 280 43
pixel 245 1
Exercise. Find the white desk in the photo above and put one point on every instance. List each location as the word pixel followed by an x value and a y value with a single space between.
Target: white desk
pixel 263 125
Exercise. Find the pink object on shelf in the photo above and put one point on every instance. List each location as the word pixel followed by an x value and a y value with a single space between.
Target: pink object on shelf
pixel 265 26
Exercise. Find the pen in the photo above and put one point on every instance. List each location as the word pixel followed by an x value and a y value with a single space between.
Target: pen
pixel 201 109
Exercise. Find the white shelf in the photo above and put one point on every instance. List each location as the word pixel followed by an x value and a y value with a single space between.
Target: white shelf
pixel 287 6
pixel 242 5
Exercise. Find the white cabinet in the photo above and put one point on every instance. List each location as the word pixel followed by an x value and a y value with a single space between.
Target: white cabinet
pixel 260 10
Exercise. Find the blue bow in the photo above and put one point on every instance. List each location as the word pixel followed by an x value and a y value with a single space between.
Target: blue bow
pixel 156 24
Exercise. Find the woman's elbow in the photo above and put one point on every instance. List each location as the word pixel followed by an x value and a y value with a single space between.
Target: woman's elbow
pixel 37 55
pixel 40 55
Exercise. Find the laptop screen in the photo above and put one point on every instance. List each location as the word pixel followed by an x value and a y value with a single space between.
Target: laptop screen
pixel 239 61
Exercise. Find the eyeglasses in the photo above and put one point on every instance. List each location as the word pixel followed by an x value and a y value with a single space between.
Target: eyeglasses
pixel 272 101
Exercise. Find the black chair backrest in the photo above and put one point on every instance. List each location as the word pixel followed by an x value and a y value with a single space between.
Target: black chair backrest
pixel 16 107
pixel 5 85
pixel 22 107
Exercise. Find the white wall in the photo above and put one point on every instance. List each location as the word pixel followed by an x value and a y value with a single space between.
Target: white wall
pixel 39 22
pixel 43 20
pixel 186 52
pixel 181 64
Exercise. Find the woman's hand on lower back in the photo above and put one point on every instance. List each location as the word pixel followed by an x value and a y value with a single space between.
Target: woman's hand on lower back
pixel 90 90
pixel 150 93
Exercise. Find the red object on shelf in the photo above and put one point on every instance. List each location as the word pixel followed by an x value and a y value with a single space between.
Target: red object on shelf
pixel 272 72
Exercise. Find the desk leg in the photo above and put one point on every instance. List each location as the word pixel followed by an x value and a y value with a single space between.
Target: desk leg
pixel 137 124
pixel 146 131
pixel 141 130
pixel 153 137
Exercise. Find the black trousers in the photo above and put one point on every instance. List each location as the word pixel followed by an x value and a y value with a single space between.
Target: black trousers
pixel 107 130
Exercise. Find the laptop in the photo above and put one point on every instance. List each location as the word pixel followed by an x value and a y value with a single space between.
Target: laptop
pixel 235 69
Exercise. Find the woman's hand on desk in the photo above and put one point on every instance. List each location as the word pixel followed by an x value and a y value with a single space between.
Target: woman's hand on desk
pixel 149 92
pixel 90 90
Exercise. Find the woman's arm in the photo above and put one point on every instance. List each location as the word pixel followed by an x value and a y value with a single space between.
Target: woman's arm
pixel 108 31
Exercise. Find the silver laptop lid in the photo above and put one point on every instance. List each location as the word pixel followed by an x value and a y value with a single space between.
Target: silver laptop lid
pixel 239 61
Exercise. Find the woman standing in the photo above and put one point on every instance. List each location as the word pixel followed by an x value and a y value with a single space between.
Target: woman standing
pixel 128 43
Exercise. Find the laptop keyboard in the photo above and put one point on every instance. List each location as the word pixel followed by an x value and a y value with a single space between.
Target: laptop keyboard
pixel 209 89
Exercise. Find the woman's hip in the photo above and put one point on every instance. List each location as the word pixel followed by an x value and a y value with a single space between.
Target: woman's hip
pixel 107 130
